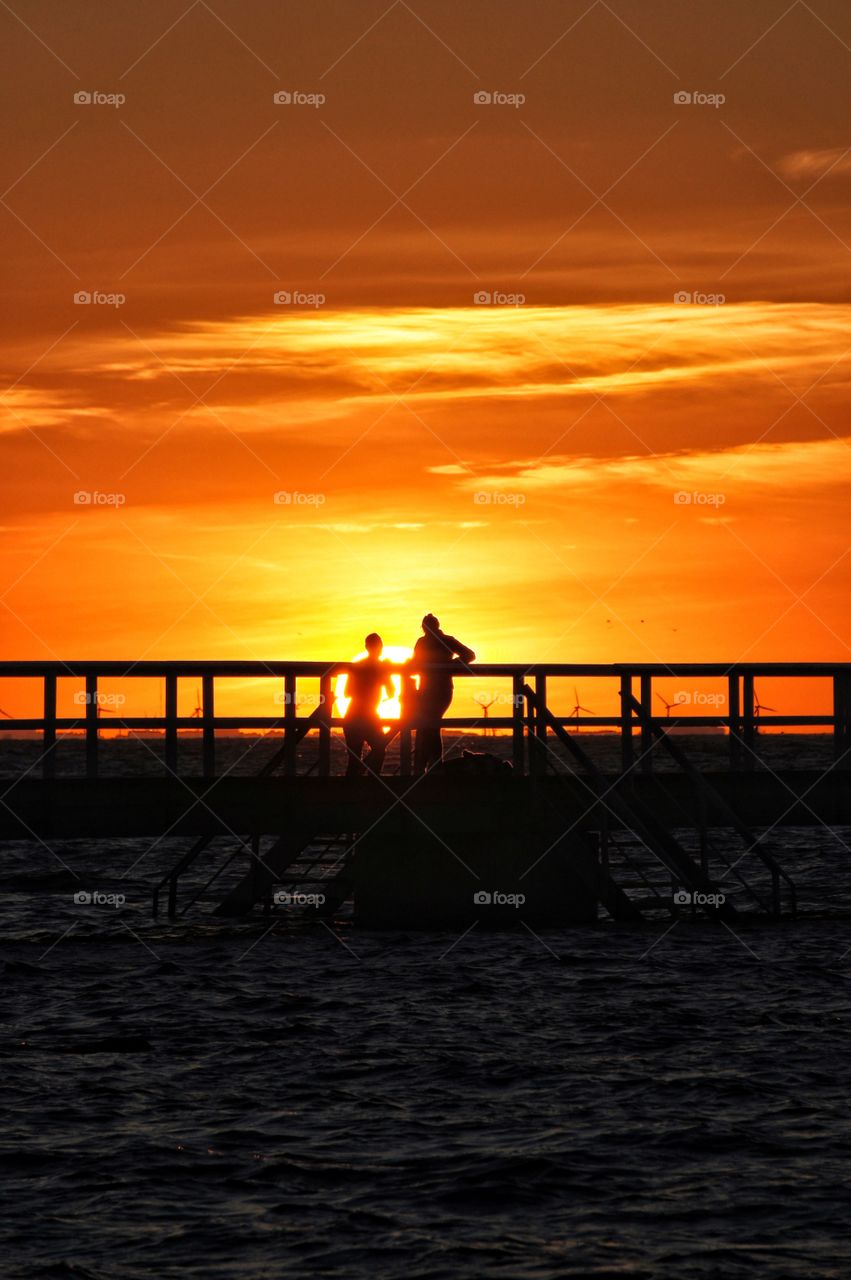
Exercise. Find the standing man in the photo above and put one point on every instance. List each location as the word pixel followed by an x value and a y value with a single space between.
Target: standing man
pixel 435 691
pixel 365 685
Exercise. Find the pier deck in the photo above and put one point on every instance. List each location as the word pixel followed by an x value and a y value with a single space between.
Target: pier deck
pixel 70 808
pixel 573 833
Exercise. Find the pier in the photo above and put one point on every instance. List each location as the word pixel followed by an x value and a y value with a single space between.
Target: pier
pixel 559 828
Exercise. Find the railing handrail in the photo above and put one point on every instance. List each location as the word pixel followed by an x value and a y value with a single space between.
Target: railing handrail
pixel 275 667
pixel 742 718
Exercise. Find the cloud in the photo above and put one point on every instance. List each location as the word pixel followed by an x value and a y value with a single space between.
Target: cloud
pixel 835 161
pixel 279 373
pixel 790 467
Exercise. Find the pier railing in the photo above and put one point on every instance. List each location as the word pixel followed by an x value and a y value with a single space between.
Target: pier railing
pixel 741 719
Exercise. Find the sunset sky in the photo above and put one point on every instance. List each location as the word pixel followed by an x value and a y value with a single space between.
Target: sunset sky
pixel 581 468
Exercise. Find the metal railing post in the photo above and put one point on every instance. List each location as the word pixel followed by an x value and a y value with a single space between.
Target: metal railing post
pixel 627 745
pixel 540 721
pixel 748 721
pixel 290 715
pixel 734 725
pixel 91 726
pixel 517 748
pixel 646 685
pixel 326 698
pixel 48 735
pixel 841 716
pixel 208 714
pixel 171 722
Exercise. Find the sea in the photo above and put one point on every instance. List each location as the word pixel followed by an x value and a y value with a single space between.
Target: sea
pixel 287 1096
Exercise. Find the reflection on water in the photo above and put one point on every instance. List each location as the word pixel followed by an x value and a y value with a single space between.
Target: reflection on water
pixel 221 1099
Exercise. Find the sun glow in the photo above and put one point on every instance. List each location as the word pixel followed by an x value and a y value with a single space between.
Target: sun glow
pixel 389 708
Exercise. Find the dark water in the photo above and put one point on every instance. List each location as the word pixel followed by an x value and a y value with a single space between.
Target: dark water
pixel 307 1099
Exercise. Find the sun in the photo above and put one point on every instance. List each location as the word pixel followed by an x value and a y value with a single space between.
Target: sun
pixel 389 708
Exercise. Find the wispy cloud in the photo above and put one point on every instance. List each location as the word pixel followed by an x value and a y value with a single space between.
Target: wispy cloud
pixel 792 467
pixel 835 161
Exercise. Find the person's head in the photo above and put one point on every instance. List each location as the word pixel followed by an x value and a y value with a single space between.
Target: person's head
pixel 373 645
pixel 430 624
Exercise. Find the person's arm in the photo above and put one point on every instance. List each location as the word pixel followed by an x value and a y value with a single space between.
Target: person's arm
pixel 460 650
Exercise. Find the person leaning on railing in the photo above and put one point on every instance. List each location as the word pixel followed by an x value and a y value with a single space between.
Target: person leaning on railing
pixel 434 694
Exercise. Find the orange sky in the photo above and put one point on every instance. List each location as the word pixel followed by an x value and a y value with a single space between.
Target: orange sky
pixel 513 468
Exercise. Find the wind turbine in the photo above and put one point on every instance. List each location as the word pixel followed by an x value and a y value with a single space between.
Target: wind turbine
pixel 484 705
pixel 199 710
pixel 6 714
pixel 574 715
pixel 758 707
pixel 667 705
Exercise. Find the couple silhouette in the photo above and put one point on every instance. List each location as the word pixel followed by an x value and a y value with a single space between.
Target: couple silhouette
pixel 423 707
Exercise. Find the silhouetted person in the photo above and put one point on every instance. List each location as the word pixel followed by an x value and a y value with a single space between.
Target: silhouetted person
pixel 365 686
pixel 435 691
